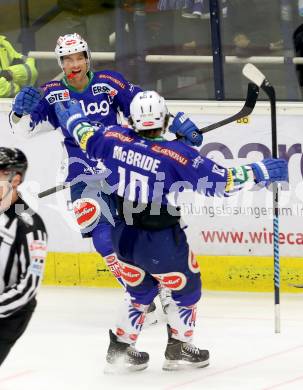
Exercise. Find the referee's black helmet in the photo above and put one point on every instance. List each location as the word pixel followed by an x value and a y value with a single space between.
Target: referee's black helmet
pixel 13 159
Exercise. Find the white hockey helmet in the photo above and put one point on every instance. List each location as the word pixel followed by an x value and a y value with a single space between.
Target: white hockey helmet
pixel 70 44
pixel 148 111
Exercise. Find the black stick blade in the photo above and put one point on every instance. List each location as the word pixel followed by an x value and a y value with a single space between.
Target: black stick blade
pixel 250 102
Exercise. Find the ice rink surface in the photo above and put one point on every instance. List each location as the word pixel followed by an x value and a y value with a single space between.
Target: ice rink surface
pixel 65 345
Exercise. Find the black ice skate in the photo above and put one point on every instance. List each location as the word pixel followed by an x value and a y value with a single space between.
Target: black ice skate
pixel 180 355
pixel 124 357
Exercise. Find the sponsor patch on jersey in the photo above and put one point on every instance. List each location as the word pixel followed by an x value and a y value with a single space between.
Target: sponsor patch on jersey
pixel 173 280
pixel 86 211
pixel 113 79
pixel 197 161
pixel 171 154
pixel 51 85
pixel 36 267
pixel 131 275
pixel 99 88
pixel 218 171
pixel 113 265
pixel 58 96
pixel 118 135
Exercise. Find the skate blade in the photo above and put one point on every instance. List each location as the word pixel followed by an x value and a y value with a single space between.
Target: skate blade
pixel 119 368
pixel 178 365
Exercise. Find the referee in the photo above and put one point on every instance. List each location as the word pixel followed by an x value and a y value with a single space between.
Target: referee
pixel 22 252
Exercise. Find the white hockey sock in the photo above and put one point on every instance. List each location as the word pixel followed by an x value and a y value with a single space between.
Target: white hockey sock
pixel 131 320
pixel 182 321
pixel 114 266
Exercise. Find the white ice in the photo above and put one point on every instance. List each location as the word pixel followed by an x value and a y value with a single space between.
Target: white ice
pixel 65 345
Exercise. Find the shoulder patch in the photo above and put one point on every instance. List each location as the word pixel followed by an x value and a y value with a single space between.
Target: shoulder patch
pixel 119 136
pixel 111 78
pixel 50 85
pixel 173 154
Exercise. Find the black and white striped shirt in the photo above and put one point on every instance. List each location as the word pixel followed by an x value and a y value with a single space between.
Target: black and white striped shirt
pixel 23 241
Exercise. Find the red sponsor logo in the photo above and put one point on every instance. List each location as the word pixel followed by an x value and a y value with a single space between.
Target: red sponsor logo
pixel 70 42
pixel 37 246
pixel 147 124
pixel 130 275
pixel 188 333
pixel 120 332
pixel 85 212
pixel 171 154
pixel 133 337
pixel 172 280
pixel 66 94
pixel 118 135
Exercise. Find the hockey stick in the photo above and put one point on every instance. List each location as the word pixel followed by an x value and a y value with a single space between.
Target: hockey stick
pixel 53 190
pixel 254 74
pixel 250 102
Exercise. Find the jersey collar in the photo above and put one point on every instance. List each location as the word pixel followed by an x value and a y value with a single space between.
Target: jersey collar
pixel 90 76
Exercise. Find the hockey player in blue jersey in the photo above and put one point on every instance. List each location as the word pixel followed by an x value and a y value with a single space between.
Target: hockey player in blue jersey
pixel 102 96
pixel 143 169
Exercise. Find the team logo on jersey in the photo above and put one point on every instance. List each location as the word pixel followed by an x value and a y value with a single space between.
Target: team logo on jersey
pixel 93 108
pixel 132 275
pixel 58 96
pixel 99 88
pixel 173 280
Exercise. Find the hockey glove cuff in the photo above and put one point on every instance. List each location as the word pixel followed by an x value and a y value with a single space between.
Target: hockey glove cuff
pixel 74 121
pixel 270 170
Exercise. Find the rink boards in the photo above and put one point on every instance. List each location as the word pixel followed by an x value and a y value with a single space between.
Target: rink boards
pixel 226 273
pixel 231 237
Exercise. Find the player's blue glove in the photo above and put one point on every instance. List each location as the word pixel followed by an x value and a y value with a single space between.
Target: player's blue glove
pixel 71 115
pixel 185 128
pixel 270 170
pixel 26 100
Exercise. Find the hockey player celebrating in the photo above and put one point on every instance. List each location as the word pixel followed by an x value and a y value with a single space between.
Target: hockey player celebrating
pixel 151 245
pixel 23 252
pixel 101 95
